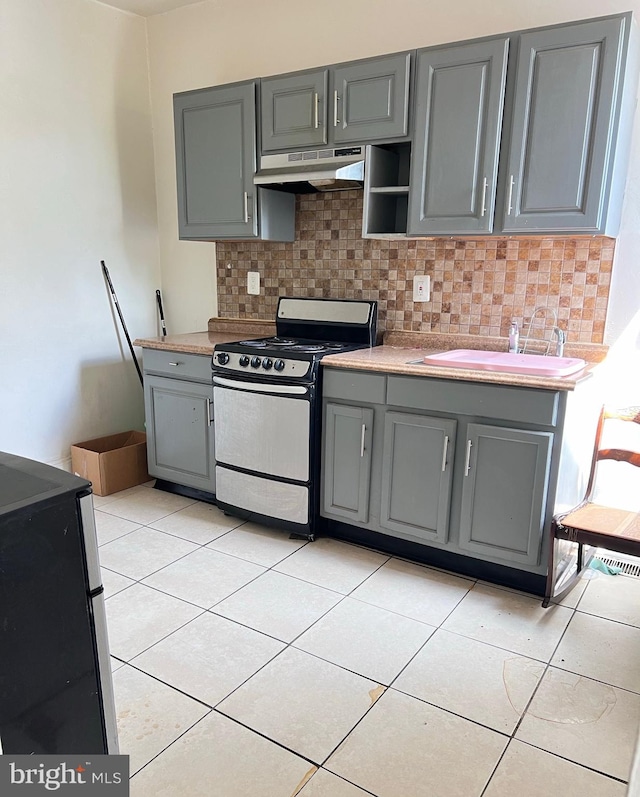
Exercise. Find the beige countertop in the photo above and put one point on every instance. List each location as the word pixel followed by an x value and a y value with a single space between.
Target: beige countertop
pixel 395 356
pixel 400 360
pixel 221 330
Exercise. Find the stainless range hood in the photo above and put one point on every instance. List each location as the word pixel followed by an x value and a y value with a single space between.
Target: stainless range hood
pixel 313 170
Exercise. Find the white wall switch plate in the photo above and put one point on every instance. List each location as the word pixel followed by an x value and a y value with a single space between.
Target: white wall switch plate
pixel 421 288
pixel 253 282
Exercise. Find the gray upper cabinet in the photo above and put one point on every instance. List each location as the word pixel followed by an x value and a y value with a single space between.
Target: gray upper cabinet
pixel 568 111
pixel 506 475
pixel 416 475
pixel 370 100
pixel 349 104
pixel 294 110
pixel 525 133
pixel 215 131
pixel 347 461
pixel 458 119
pixel 565 116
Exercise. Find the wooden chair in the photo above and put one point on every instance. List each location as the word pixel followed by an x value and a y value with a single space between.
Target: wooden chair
pixel 576 534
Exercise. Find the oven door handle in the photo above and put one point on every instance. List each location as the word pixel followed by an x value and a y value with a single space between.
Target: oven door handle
pixel 253 387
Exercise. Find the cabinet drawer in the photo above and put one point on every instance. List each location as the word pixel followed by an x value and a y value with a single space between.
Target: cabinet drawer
pixel 524 405
pixel 177 364
pixel 354 386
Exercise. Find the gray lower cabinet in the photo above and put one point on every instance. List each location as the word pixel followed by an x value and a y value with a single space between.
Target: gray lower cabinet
pixel 417 475
pixel 216 153
pixel 179 418
pixel 564 128
pixel 347 461
pixel 471 468
pixel 352 103
pixel 506 475
pixel 458 121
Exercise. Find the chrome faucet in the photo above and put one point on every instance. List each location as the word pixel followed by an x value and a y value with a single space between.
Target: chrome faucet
pixel 514 336
pixel 545 321
pixel 561 340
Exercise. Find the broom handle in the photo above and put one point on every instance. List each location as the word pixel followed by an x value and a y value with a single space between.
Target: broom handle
pixel 124 326
pixel 159 300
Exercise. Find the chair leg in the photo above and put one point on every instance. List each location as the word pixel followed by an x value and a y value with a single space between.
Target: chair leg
pixel 580 560
pixel 567 582
pixel 551 568
pixel 566 588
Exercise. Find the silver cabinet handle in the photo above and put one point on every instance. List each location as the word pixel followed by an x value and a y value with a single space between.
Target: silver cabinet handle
pixel 176 364
pixel 467 462
pixel 483 208
pixel 336 121
pixel 315 109
pixel 509 204
pixel 246 207
pixel 362 436
pixel 445 448
pixel 209 418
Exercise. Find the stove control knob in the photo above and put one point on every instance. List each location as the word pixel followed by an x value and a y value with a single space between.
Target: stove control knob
pixel 223 358
pixel 279 365
pixel 243 361
pixel 255 362
pixel 267 363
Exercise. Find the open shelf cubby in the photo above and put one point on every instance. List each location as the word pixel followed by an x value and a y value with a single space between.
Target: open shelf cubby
pixel 386 190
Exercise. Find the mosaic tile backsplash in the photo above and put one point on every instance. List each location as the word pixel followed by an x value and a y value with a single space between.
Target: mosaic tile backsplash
pixel 477 285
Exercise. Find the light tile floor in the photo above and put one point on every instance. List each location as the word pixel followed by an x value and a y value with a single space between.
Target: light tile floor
pixel 246 663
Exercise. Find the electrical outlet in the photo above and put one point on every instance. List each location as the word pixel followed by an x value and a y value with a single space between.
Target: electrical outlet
pixel 421 288
pixel 253 282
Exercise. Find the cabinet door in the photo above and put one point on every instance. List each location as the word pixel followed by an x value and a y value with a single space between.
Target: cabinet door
pixel 180 441
pixel 347 461
pixel 504 492
pixel 294 111
pixel 564 114
pixel 460 98
pixel 215 162
pixel 417 474
pixel 370 100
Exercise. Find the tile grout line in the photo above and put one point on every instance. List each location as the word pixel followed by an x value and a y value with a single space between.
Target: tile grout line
pixel 426 642
pixel 164 749
pixel 571 761
pixel 173 631
pixel 547 667
pixel 513 737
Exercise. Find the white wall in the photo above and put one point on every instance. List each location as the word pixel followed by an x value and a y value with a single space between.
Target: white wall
pixel 76 186
pixel 226 40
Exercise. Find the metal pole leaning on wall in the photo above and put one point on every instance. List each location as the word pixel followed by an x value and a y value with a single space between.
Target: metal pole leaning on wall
pixel 124 326
pixel 161 313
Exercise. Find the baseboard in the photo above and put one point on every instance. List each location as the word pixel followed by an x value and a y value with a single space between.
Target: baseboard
pixel 63 464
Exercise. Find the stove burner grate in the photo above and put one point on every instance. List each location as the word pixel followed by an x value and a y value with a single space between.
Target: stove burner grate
pixel 266 343
pixel 310 347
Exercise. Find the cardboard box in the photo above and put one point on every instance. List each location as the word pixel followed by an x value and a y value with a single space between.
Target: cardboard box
pixel 112 463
